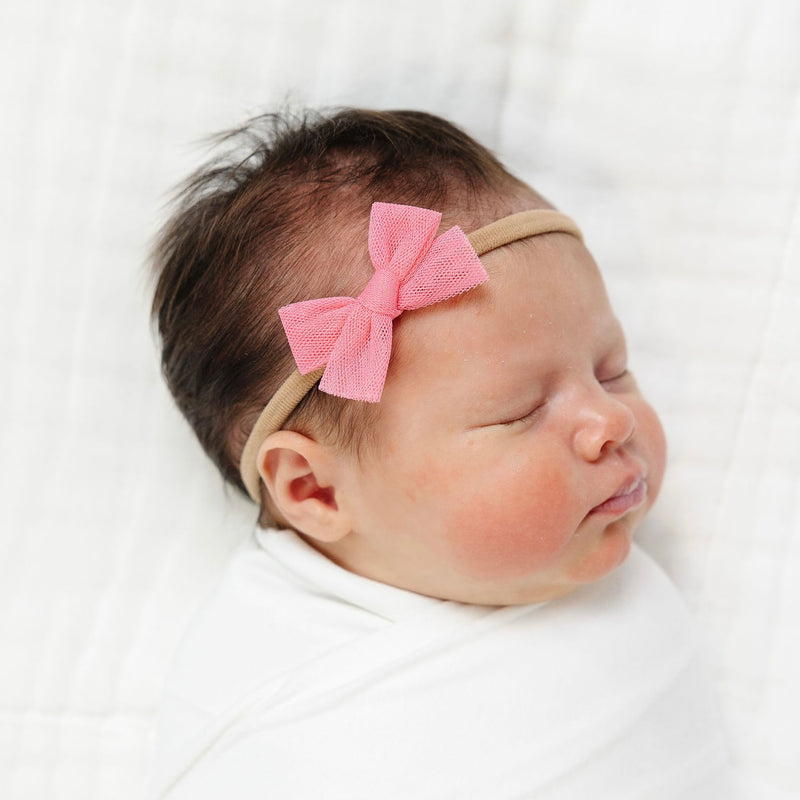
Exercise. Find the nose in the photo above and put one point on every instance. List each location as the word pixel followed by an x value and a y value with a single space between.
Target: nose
pixel 604 423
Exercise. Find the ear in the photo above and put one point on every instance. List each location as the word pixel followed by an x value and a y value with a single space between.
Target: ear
pixel 301 476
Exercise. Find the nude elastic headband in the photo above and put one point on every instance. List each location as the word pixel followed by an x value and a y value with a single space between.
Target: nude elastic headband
pixel 504 231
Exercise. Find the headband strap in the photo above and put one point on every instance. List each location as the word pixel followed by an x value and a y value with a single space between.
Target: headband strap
pixel 483 240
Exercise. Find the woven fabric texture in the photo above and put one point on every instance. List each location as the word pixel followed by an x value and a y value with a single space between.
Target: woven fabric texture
pixel 353 335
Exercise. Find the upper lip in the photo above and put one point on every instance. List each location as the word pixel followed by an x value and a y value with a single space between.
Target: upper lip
pixel 626 486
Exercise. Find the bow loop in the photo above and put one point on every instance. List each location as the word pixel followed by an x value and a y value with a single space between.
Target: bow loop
pixel 400 235
pixel 352 337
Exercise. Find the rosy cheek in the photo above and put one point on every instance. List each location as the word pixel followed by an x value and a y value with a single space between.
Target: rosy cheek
pixel 514 522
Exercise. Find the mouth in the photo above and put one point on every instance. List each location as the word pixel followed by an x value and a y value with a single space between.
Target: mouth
pixel 630 496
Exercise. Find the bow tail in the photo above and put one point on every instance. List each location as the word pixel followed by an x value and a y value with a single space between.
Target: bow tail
pixel 312 328
pixel 359 361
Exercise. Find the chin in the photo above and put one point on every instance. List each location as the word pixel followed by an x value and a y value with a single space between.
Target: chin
pixel 608 554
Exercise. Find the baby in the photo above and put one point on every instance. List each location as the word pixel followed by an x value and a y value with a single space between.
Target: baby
pixel 407 358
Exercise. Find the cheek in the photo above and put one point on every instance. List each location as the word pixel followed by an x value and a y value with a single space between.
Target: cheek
pixel 512 520
pixel 654 446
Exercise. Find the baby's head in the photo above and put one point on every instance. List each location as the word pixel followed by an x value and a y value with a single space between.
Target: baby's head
pixel 510 455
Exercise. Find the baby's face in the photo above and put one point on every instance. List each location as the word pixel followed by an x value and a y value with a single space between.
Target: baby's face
pixel 515 453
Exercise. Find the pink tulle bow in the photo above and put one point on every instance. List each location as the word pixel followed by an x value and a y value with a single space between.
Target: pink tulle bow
pixel 352 337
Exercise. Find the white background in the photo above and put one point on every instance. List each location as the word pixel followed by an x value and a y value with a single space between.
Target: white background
pixel 671 131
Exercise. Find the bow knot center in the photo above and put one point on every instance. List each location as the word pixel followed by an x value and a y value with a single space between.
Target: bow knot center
pixel 381 293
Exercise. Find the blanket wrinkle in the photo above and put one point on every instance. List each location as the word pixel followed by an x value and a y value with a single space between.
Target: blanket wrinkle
pixel 599 692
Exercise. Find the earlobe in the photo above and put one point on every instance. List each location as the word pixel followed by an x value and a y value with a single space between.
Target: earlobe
pixel 301 477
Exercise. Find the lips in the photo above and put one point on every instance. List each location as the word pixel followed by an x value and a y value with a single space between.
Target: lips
pixel 630 496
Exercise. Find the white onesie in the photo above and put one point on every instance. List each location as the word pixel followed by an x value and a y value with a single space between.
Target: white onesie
pixel 299 679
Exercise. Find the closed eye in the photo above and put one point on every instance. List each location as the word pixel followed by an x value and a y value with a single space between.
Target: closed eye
pixel 615 379
pixel 525 418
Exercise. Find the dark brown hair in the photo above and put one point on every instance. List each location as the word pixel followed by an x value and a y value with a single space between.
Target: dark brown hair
pixel 282 216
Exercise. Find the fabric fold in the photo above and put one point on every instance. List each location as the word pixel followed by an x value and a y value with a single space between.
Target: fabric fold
pixel 417 697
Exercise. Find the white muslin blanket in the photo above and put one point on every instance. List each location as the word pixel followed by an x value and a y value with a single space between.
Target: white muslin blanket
pixel 301 680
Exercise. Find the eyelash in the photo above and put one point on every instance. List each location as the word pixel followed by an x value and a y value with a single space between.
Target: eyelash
pixel 534 411
pixel 624 374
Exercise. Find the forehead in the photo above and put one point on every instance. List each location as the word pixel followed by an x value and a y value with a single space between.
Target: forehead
pixel 544 300
pixel 550 283
pixel 553 275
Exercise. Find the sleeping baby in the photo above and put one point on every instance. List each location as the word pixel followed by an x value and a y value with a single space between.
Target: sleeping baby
pixel 406 357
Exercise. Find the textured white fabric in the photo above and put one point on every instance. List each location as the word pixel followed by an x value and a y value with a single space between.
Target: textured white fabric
pixel 300 680
pixel 669 132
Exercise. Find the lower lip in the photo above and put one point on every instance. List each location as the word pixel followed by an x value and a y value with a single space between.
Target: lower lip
pixel 622 503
